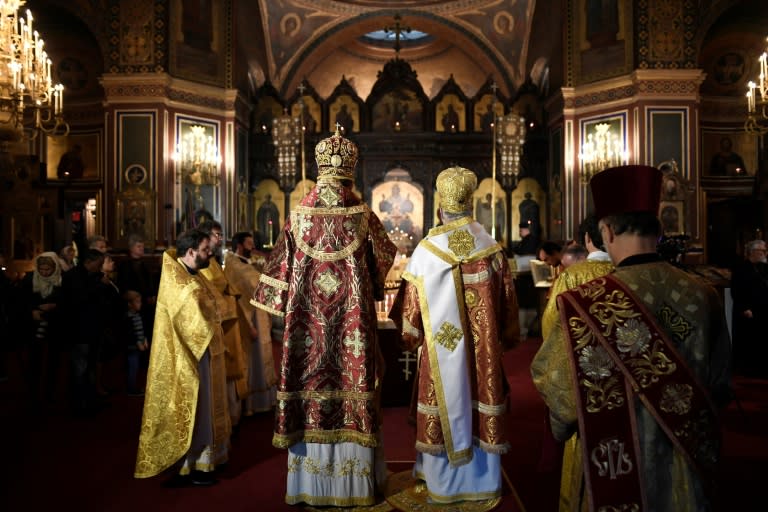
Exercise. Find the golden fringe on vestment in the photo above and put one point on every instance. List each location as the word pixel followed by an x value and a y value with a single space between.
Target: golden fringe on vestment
pixel 268 309
pixel 333 394
pixel 485 409
pixel 325 437
pixel 438 449
pixel 323 501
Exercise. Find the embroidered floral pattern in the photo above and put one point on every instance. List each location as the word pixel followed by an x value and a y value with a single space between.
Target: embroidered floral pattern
pixel 328 195
pixel 328 283
pixel 603 394
pixel 595 362
pixel 304 224
pixel 346 467
pixel 470 297
pixel 676 324
pixel 461 242
pixel 448 336
pixel 632 337
pixel 624 507
pixel 676 398
pixel 650 365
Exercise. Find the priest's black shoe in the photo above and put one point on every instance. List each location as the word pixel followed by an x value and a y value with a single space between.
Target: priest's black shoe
pixel 203 478
pixel 177 481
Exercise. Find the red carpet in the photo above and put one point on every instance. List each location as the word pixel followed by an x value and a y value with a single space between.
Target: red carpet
pixel 55 461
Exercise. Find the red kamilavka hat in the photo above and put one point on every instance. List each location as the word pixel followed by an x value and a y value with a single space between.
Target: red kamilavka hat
pixel 629 188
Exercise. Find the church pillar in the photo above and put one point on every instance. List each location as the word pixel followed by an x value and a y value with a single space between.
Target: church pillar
pixel 148 192
pixel 653 115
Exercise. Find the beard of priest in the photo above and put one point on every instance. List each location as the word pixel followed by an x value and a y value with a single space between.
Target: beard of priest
pixel 188 357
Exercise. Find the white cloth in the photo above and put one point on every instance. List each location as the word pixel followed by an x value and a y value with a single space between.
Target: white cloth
pixel 434 269
pixel 480 479
pixel 340 474
pixel 598 256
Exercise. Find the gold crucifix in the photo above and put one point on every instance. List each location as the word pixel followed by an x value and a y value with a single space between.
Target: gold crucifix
pixel 397 29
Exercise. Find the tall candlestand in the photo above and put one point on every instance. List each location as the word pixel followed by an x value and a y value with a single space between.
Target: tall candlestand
pixel 493 162
pixel 269 234
pixel 303 135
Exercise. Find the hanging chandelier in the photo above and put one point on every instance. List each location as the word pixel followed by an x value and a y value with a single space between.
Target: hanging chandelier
pixel 510 134
pixel 757 114
pixel 29 101
pixel 197 154
pixel 602 150
pixel 287 135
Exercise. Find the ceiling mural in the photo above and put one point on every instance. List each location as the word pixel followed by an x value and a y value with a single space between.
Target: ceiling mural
pixel 491 34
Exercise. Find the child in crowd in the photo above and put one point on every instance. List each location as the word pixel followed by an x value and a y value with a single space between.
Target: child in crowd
pixel 137 340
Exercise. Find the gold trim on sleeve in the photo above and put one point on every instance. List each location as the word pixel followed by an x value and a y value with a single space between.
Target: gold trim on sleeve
pixel 439 230
pixel 360 236
pixel 266 308
pixel 271 281
pixel 341 210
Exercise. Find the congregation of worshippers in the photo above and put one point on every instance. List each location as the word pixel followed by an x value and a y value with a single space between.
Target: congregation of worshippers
pixel 195 339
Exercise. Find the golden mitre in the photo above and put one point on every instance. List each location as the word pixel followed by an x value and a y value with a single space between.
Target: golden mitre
pixel 455 186
pixel 336 158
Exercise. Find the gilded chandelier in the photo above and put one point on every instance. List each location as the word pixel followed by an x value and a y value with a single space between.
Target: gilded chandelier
pixel 602 149
pixel 287 135
pixel 510 136
pixel 197 154
pixel 26 86
pixel 757 114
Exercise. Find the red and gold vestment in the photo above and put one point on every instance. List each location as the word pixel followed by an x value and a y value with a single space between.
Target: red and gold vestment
pixel 479 283
pixel 323 276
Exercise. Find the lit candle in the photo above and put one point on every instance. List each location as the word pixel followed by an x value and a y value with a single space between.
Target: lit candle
pixel 269 231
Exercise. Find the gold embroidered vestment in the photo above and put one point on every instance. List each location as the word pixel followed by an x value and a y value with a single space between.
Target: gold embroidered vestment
pixel 187 324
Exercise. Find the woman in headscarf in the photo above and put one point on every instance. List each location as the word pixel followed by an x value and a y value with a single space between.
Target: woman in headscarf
pixel 42 294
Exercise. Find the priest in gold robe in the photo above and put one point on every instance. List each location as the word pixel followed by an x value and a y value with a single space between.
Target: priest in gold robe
pixel 598 263
pixel 323 276
pixel 237 385
pixel 255 326
pixel 637 367
pixel 459 309
pixel 185 422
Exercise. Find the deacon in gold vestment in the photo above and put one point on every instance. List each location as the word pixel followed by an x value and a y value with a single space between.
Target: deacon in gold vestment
pixel 324 275
pixel 237 384
pixel 185 420
pixel 255 326
pixel 598 263
pixel 659 314
pixel 459 309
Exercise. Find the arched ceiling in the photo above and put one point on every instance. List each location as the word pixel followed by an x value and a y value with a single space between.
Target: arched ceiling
pixel 321 40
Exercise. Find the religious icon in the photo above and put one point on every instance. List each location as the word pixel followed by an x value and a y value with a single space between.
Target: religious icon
pixel 485 212
pixel 399 205
pixel 268 221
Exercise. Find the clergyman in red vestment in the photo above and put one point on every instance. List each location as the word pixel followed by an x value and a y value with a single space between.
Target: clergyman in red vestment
pixel 323 276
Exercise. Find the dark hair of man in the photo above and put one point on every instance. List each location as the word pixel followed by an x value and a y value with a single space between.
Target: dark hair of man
pixel 638 223
pixel 578 250
pixel 134 239
pixel 190 239
pixel 590 226
pixel 550 248
pixel 209 225
pixel 91 255
pixel 92 240
pixel 239 239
